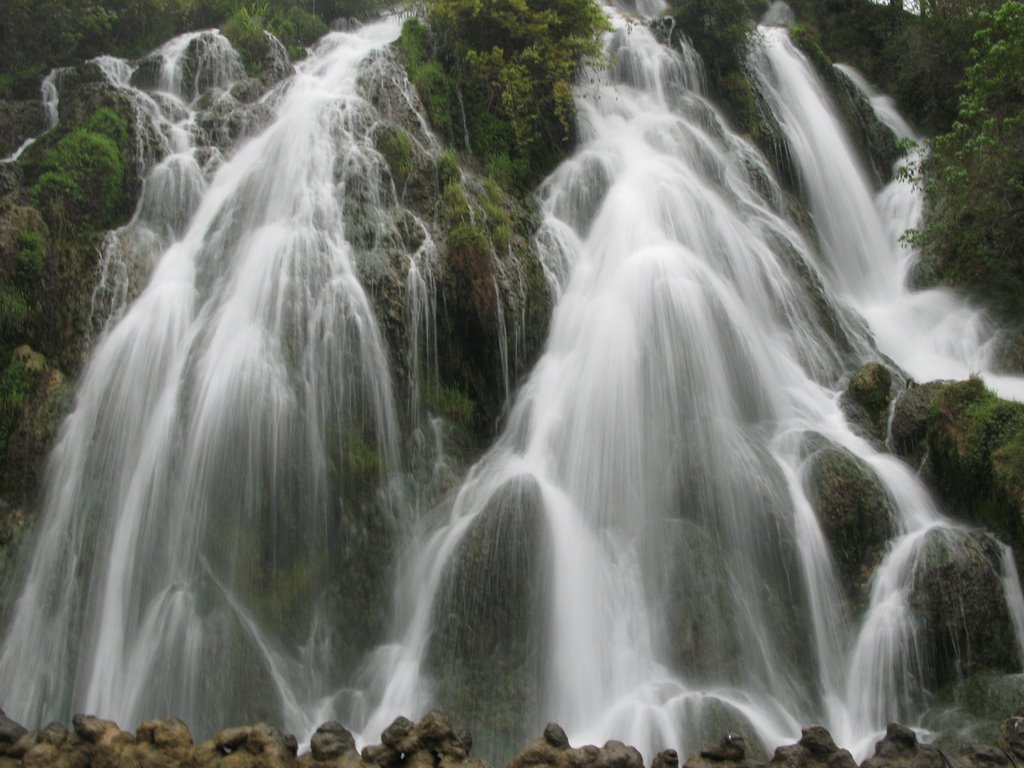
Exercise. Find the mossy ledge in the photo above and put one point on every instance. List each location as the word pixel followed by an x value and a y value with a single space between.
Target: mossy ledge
pixel 436 741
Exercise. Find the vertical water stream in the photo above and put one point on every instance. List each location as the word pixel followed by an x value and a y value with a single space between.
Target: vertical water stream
pixel 636 556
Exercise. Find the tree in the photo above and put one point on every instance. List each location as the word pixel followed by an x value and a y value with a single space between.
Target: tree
pixel 974 232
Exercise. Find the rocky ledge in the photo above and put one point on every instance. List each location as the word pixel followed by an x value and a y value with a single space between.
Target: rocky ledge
pixel 434 742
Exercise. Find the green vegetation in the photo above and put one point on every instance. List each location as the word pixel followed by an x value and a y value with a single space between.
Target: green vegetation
pixel 17 384
pixel 976 456
pixel 82 184
pixel 37 35
pixel 721 31
pixel 975 174
pixel 496 77
pixel 395 145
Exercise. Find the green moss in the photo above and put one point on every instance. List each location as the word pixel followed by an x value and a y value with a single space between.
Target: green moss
pixel 82 185
pixel 448 171
pixel 395 145
pixel 458 407
pixel 17 384
pixel 870 388
pixel 360 462
pixel 853 509
pixel 15 312
pixel 976 457
pixel 807 42
pixel 455 204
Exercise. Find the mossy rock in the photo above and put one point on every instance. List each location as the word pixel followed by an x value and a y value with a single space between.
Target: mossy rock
pixel 487 652
pixel 34 398
pixel 972 709
pixel 868 396
pixel 975 445
pixel 19 120
pixel 957 598
pixel 911 411
pixel 853 509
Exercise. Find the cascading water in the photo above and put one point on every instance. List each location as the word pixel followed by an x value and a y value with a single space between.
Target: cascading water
pixel 226 460
pixel 638 544
pixel 636 557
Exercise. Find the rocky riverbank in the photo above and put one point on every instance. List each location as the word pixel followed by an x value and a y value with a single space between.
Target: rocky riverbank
pixel 434 742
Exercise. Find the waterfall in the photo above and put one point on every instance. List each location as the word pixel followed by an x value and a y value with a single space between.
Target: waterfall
pixel 227 531
pixel 227 459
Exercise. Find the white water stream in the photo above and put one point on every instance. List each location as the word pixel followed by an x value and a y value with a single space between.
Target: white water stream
pixel 680 585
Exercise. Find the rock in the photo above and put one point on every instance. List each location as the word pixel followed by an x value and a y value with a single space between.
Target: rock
pixel 818 740
pixel 1012 732
pixel 23 744
pixel 554 735
pixel 332 740
pixel 816 749
pixel 853 509
pixel 56 734
pixel 963 624
pixel 667 758
pixel 19 120
pixel 731 752
pixel 290 744
pixel 385 757
pixel 397 732
pixel 900 749
pixel 10 732
pixel 485 647
pixel 983 756
pixel 909 425
pixel 170 734
pixel 731 748
pixel 231 739
pixel 615 754
pixel 868 396
pixel 97 731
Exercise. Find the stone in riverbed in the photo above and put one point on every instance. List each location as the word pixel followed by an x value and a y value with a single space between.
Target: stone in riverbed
pixel 816 749
pixel 332 740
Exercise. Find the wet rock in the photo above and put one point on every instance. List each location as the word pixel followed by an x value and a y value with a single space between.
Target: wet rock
pixel 731 752
pixel 816 749
pixel 901 749
pixel 733 748
pixel 172 737
pixel 485 646
pixel 867 398
pixel 97 731
pixel 10 731
pixel 231 739
pixel 1012 732
pixel 909 425
pixel 555 735
pixel 276 64
pixel 983 756
pixel 380 755
pixel 853 509
pixel 667 758
pixel 19 120
pixel 23 744
pixel 227 120
pixel 56 734
pixel 963 624
pixel 615 754
pixel 398 731
pixel 332 740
